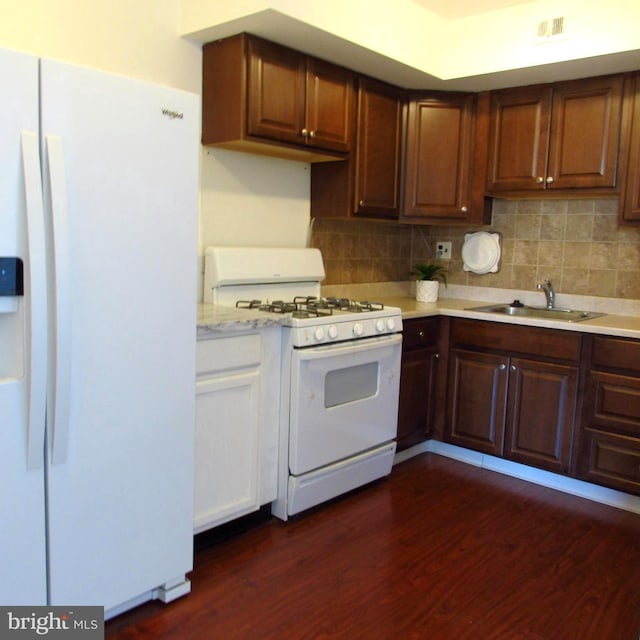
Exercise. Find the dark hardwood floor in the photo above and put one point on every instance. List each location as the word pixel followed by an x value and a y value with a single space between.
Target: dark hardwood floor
pixel 439 550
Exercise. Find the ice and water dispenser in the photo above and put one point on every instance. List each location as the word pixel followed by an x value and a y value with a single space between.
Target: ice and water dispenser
pixel 12 324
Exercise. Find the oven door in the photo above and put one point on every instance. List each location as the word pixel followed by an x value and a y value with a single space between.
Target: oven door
pixel 344 400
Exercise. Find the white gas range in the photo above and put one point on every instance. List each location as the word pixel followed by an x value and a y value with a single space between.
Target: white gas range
pixel 340 371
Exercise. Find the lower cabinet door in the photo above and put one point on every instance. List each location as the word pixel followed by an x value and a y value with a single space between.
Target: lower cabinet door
pixel 477 400
pixel 541 414
pixel 417 396
pixel 227 465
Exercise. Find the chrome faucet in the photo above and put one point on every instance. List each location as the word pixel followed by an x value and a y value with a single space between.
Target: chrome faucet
pixel 549 293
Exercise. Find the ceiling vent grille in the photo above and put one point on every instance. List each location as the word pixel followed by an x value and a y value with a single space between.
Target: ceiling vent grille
pixel 554 28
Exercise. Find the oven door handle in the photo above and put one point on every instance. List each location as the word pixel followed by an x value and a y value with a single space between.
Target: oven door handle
pixel 349 347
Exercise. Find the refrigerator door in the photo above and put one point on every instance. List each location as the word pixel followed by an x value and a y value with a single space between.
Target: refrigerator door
pixel 22 507
pixel 121 182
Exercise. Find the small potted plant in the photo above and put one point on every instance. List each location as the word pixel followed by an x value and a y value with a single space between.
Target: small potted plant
pixel 429 277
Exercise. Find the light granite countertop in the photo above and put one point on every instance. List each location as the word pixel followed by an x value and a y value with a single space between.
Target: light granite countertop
pixel 215 320
pixel 622 316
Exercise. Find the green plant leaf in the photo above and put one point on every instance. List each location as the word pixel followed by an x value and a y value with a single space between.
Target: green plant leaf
pixel 431 271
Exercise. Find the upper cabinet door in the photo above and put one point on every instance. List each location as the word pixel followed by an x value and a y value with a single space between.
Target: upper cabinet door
pixel 330 98
pixel 630 210
pixel 379 145
pixel 367 183
pixel 438 157
pixel 276 92
pixel 518 139
pixel 585 133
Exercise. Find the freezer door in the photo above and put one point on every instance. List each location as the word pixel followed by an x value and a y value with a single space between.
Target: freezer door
pixel 121 183
pixel 22 533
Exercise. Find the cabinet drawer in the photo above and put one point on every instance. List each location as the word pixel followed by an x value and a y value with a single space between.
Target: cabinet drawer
pixel 612 460
pixel 613 353
pixel 535 341
pixel 615 402
pixel 419 333
pixel 222 354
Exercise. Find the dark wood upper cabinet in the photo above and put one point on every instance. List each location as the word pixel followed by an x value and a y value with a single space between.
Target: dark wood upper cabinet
pixel 440 160
pixel 378 151
pixel 265 98
pixel 381 152
pixel 276 92
pixel 630 202
pixel 556 137
pixel 330 100
pixel 519 138
pixel 367 184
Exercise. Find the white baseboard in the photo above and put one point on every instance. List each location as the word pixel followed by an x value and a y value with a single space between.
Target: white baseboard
pixel 587 490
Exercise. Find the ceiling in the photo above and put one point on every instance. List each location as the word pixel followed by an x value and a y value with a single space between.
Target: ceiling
pixel 304 36
pixel 455 9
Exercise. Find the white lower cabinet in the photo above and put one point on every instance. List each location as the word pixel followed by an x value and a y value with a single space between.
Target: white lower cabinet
pixel 236 444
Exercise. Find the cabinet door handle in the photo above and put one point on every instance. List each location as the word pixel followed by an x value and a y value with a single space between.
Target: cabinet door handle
pixel 502 367
pixel 539 179
pixel 312 134
pixel 513 367
pixel 421 334
pixel 361 203
pixel 437 355
pixel 304 133
pixel 549 179
pixel 464 209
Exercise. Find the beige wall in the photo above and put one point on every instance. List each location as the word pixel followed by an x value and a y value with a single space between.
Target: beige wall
pixel 139 39
pixel 576 243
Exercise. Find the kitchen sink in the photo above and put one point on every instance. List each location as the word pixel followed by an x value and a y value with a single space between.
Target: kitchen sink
pixel 523 311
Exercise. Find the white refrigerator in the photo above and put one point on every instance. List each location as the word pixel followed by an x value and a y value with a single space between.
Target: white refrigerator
pixel 98 198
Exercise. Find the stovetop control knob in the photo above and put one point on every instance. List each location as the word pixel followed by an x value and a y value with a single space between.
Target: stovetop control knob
pixel 333 332
pixel 391 324
pixel 318 334
pixel 358 329
pixel 380 326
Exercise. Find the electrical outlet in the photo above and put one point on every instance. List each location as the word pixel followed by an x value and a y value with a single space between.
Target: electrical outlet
pixel 443 250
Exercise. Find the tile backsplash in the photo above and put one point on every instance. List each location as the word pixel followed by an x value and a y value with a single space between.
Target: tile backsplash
pixel 578 244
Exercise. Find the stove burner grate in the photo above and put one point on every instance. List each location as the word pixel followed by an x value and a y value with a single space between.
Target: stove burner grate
pixel 311 306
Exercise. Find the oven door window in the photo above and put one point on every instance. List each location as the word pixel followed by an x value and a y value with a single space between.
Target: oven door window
pixel 343 400
pixel 350 384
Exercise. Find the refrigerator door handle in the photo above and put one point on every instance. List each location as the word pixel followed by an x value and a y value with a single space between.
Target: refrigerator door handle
pixel 59 413
pixel 37 301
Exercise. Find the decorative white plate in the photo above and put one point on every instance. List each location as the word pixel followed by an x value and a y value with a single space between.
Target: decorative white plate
pixel 481 252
